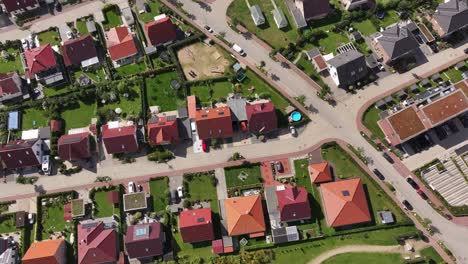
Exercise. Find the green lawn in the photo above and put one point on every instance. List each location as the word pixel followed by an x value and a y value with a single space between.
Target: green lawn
pixel 147 17
pixel 201 188
pixel 52 220
pixel 370 118
pixel 112 18
pixel 49 36
pixel 96 75
pixel 13 63
pixel 391 17
pixel 159 193
pixel 218 90
pixel 159 63
pixel 381 258
pixel 365 27
pixel 159 92
pixel 332 41
pixel 81 27
pixel 304 252
pixel 7 223
pixel 52 91
pixel 131 69
pixel 80 115
pixel 103 207
pixel 345 167
pixel 453 74
pixel 431 254
pixel 131 106
pixel 253 175
pixel 201 250
pixel 269 32
pixel 33 118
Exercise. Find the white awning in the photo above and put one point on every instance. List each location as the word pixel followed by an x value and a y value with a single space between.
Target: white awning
pixel 90 62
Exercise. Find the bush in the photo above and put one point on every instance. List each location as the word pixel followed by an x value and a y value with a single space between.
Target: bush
pixel 161 156
pixel 26 180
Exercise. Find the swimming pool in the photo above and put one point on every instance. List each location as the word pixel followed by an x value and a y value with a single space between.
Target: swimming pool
pixel 296 116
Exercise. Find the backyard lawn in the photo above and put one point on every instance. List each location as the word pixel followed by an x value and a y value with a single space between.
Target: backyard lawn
pixel 252 172
pixel 201 188
pixel 215 91
pixel 103 207
pixel 13 63
pixel 370 118
pixel 345 167
pixel 7 223
pixel 131 69
pixel 81 27
pixel 159 92
pixel 52 220
pixel 381 258
pixel 154 7
pixel 80 115
pixel 112 18
pixel 159 193
pixel 187 250
pixel 332 41
pixel 131 106
pixel 453 74
pixel 365 27
pixel 50 36
pixel 96 75
pixel 33 118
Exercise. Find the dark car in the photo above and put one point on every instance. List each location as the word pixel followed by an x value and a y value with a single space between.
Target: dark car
pixel 379 174
pixel 412 183
pixel 387 157
pixel 407 205
pixel 466 51
pixel 174 196
pixel 279 166
pixel 422 194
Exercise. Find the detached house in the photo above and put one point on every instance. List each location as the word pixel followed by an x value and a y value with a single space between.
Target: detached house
pixel 119 138
pixel 97 243
pixel 394 43
pixel 354 4
pixel 163 130
pixel 144 241
pixel 43 65
pixel 196 225
pixel 347 68
pixel 261 117
pixel 46 251
pixel 161 31
pixel 293 204
pixel 80 52
pixel 121 46
pixel 15 7
pixel 306 10
pixel 74 147
pixel 21 154
pixel 214 123
pixel 11 87
pixel 450 17
pixel 244 216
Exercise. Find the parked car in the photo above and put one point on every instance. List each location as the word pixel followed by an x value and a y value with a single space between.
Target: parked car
pixel 412 183
pixel 139 188
pixel 238 49
pixel 381 67
pixel 279 166
pixel 69 35
pixel 180 192
pixel 407 205
pixel 24 44
pixel 31 218
pixel 293 131
pixel 131 187
pixel 46 164
pixel 422 194
pixel 174 197
pixel 387 157
pixel 204 146
pixel 379 174
pixel 208 28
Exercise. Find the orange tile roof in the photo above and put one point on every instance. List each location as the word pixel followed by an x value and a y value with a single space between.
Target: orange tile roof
pixel 320 172
pixel 244 215
pixel 192 106
pixel 345 202
pixel 45 252
pixel 446 108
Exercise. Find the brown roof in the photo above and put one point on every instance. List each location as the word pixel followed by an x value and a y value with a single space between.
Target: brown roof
pixel 462 85
pixel 406 123
pixel 320 62
pixel 446 108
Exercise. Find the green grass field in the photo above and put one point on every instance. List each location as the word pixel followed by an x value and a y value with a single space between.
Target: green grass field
pixel 431 254
pixel 381 258
pixel 365 27
pixel 131 106
pixel 103 207
pixel 154 7
pixel 159 92
pixel 453 74
pixel 81 27
pixel 96 75
pixel 7 223
pixel 52 220
pixel 369 120
pixel 80 115
pixel 131 69
pixel 112 18
pixel 33 118
pixel 50 36
pixel 13 63
pixel 159 193
pixel 252 170
pixel 218 90
pixel 201 188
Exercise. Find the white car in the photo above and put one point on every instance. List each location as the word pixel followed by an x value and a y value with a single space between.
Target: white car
pixel 180 193
pixel 31 218
pixel 25 44
pixel 69 35
pixel 209 29
pixel 131 187
pixel 293 131
pixel 238 49
pixel 46 164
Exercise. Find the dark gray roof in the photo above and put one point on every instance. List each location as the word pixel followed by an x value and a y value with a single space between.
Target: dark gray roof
pixel 257 15
pixel 350 66
pixel 237 106
pixel 44 132
pixel 182 112
pixel 91 26
pixel 386 217
pixel 452 16
pixel 411 26
pixel 397 41
pixel 312 53
pixel 183 126
pixel 314 8
pixel 414 88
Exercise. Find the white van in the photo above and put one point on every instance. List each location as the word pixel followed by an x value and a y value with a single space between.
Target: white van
pixel 46 164
pixel 238 49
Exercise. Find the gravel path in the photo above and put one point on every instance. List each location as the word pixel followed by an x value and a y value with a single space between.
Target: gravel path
pixel 354 248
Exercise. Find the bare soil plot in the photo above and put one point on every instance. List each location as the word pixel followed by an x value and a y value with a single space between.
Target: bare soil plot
pixel 200 61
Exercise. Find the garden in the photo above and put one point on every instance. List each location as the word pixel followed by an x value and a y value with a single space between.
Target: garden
pixel 79 114
pixel 102 206
pixel 370 119
pixel 51 220
pixel 111 16
pixel 95 74
pixel 154 6
pixel 159 92
pixel 50 36
pixel 159 193
pixel 126 95
pixel 80 25
pixel 201 187
pixel 33 118
pixel 131 69
pixel 243 176
pixel 12 62
pixel 7 223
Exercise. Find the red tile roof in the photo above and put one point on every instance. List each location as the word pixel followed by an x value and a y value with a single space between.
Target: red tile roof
pixel 196 225
pixel 96 244
pixel 217 246
pixel 214 123
pixel 120 139
pixel 55 125
pixel 120 43
pixel 74 147
pixel 40 59
pixel 77 50
pixel 293 204
pixel 145 240
pixel 261 117
pixel 160 31
pixel 244 215
pixel 9 84
pixel 19 154
pixel 113 197
pixel 320 172
pixel 46 251
pixel 14 5
pixel 192 106
pixel 345 202
pixel 163 130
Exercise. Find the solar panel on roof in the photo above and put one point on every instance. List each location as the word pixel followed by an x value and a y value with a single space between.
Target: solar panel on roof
pixel 71 140
pixel 171 118
pixel 140 231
